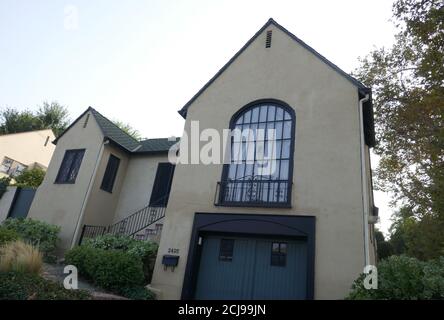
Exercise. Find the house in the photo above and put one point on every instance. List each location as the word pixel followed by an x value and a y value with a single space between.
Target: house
pixel 25 150
pixel 101 180
pixel 299 225
pixel 18 152
pixel 303 232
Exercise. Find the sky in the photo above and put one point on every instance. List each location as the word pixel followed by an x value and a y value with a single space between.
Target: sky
pixel 141 61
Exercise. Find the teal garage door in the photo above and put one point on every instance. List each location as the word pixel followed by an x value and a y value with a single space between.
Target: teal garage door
pixel 251 268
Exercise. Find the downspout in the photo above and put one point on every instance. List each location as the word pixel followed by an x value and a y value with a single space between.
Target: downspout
pixel 88 192
pixel 365 191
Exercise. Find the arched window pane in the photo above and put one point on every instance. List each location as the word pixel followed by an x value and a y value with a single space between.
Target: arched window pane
pixel 259 171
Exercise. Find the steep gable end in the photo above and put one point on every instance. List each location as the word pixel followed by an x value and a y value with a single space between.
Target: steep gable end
pixel 361 87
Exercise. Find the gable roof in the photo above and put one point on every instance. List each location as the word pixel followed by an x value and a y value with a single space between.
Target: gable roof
pixel 361 87
pixel 156 145
pixel 113 132
pixel 122 139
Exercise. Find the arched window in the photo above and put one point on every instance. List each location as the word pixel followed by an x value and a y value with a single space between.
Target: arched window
pixel 261 162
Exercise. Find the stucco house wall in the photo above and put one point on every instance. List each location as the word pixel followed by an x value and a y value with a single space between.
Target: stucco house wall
pixel 137 187
pixel 61 204
pixel 326 176
pixel 101 205
pixel 28 147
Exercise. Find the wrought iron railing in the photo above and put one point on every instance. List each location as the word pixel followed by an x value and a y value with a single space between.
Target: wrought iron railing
pixel 128 226
pixel 253 192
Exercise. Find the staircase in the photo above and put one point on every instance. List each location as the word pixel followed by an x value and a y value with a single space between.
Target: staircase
pixel 129 226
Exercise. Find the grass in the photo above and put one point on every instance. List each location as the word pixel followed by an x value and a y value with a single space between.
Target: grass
pixel 20 257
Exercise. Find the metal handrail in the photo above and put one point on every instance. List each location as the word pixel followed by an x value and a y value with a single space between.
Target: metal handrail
pixel 128 226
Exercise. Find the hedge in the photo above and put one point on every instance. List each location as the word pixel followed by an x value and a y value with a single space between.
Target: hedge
pixel 402 278
pixel 25 286
pixel 109 269
pixel 36 232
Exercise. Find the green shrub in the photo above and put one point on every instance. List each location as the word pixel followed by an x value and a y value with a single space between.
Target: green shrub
pixel 7 235
pixel 31 178
pixel 79 256
pixel 137 293
pixel 36 232
pixel 109 269
pixel 146 251
pixel 25 286
pixel 402 277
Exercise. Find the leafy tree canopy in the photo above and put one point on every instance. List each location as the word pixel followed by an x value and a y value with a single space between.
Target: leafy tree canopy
pixel 49 116
pixel 30 178
pixel 408 86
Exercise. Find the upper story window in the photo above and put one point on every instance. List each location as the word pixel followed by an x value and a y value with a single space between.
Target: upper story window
pixel 110 173
pixel 70 166
pixel 162 185
pixel 261 164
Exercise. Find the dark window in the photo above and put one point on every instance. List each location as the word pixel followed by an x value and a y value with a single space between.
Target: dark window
pixel 70 166
pixel 162 185
pixel 110 173
pixel 279 254
pixel 226 249
pixel 260 169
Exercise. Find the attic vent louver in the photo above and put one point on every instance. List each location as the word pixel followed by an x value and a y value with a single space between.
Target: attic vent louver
pixel 86 121
pixel 268 40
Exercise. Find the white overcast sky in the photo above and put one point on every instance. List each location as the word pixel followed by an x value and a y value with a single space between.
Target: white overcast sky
pixel 141 61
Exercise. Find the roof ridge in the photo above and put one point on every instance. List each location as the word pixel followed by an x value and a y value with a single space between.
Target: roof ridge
pixel 112 122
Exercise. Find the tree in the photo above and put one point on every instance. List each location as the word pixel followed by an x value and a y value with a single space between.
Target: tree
pixel 13 121
pixel 385 249
pixel 408 86
pixel 53 116
pixel 408 89
pixel 128 129
pixel 49 116
pixel 30 178
pixel 422 238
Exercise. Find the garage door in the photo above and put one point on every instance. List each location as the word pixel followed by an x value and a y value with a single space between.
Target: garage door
pixel 251 268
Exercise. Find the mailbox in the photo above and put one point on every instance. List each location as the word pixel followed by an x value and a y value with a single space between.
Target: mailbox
pixel 169 260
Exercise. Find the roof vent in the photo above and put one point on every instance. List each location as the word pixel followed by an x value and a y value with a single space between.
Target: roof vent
pixel 86 121
pixel 46 141
pixel 268 40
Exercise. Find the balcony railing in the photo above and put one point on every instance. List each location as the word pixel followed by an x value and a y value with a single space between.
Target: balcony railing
pixel 253 193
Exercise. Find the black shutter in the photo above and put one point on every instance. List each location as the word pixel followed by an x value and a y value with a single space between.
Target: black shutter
pixel 110 173
pixel 162 185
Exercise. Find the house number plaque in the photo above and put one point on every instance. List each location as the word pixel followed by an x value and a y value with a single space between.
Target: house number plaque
pixel 173 250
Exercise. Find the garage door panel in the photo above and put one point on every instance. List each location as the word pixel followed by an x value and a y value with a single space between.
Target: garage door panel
pixel 250 273
pixel 284 281
pixel 225 279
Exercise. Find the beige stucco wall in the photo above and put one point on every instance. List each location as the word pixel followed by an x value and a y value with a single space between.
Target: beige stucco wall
pixel 61 204
pixel 138 184
pixel 101 205
pixel 327 177
pixel 28 147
